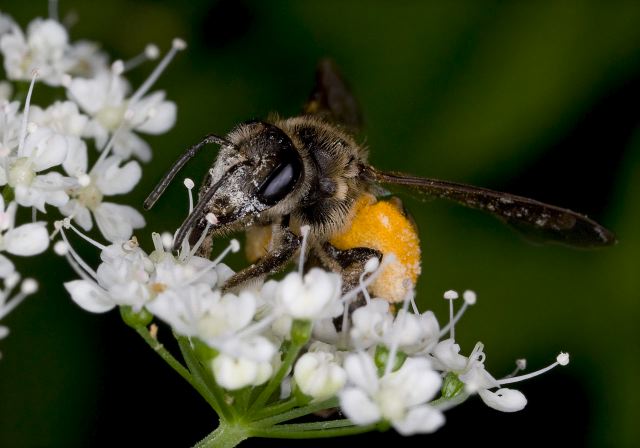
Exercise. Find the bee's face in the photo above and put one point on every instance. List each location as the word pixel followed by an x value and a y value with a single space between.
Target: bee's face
pixel 256 173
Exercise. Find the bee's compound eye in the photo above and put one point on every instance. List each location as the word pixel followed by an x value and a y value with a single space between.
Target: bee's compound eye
pixel 280 182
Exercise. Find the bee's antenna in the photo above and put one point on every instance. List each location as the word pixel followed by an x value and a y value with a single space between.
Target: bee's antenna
pixel 177 166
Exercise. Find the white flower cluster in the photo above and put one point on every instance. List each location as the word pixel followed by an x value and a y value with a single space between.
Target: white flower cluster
pixel 44 155
pixel 297 335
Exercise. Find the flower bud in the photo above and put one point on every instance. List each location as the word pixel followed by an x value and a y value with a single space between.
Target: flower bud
pixel 381 359
pixel 318 375
pixel 451 385
pixel 134 319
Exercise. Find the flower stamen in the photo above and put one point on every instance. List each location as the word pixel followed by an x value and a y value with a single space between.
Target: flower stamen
pixel 349 295
pixel 234 246
pixel 25 113
pixel 451 295
pixel 397 327
pixel 304 230
pixel 53 10
pixel 562 359
pixel 28 287
pixel 176 45
pixel 189 184
pixel 85 237
pixel 59 226
pixel 211 220
pixel 469 298
pixel 151 52
pixel 370 266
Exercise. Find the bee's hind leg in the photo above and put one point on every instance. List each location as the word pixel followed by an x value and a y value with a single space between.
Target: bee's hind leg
pixel 348 263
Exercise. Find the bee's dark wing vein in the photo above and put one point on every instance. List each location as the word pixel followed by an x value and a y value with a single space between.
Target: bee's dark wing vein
pixel 533 218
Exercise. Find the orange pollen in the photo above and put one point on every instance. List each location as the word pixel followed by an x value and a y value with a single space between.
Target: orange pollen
pixel 383 226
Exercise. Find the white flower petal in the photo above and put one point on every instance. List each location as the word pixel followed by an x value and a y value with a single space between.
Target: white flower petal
pixel 49 188
pixel 447 352
pixel 358 407
pixel 505 400
pixel 62 117
pixel 117 180
pixel 14 48
pixel 85 59
pixel 98 132
pixel 477 378
pixel 371 323
pixel 45 148
pixel 6 23
pixel 419 420
pixel 27 239
pixel 325 330
pixel 6 267
pixel 313 297
pixel 116 222
pixel 416 380
pixel 234 373
pixel 89 297
pixel 257 349
pixel 75 164
pixel 161 119
pixel 127 143
pixel 29 197
pixel 94 94
pixel 362 372
pixel 80 213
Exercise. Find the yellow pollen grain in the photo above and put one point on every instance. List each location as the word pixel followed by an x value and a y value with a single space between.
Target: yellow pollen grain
pixel 158 287
pixel 381 225
pixel 153 331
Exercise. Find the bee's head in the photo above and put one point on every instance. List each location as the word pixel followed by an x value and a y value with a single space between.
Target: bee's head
pixel 256 169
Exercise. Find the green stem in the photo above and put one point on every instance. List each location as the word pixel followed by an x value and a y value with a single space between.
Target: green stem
pixel 210 392
pixel 242 397
pixel 276 408
pixel 165 355
pixel 224 436
pixel 275 381
pixel 312 426
pixel 295 433
pixel 298 412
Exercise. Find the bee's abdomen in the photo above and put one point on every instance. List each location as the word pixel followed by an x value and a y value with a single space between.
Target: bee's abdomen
pixel 384 226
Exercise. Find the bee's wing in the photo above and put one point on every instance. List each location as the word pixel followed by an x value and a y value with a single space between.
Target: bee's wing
pixel 332 99
pixel 536 219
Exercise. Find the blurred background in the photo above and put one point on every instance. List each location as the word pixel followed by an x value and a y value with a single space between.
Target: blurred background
pixel 540 99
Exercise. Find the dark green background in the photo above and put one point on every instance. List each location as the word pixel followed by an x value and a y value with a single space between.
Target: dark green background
pixel 537 98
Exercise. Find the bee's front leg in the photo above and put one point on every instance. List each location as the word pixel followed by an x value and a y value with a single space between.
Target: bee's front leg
pixel 286 244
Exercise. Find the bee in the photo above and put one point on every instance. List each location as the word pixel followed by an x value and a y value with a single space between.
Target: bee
pixel 272 178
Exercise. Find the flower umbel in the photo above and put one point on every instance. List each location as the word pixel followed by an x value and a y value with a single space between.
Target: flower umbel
pixel 254 354
pixel 47 156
